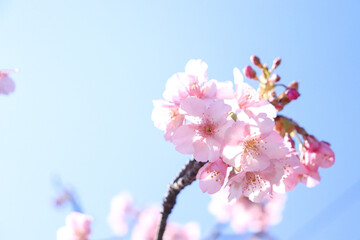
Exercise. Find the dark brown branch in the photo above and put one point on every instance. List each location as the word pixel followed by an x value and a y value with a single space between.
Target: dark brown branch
pixel 186 176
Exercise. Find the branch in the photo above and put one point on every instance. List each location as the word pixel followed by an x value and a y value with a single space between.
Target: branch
pixel 186 176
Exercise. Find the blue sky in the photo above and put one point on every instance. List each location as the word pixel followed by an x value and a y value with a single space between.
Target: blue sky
pixel 89 71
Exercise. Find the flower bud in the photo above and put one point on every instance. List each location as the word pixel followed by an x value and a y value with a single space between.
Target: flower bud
pixel 249 72
pixel 233 116
pixel 326 156
pixel 279 106
pixel 311 143
pixel 276 63
pixel 274 78
pixel 256 61
pixel 292 94
pixel 294 85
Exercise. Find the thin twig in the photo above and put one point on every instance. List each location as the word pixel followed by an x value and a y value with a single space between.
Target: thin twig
pixel 186 176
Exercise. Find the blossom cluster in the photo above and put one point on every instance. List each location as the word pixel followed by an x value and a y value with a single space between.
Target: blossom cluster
pixel 123 211
pixel 127 218
pixel 245 215
pixel 236 132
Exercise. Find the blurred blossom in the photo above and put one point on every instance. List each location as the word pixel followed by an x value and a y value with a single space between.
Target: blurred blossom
pixel 245 215
pixel 120 210
pixel 77 227
pixel 7 85
pixel 147 225
pixel 64 197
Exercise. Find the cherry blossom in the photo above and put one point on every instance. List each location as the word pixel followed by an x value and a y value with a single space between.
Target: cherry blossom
pixel 146 227
pixel 245 215
pixel 203 135
pixel 194 83
pixel 77 227
pixel 251 147
pixel 249 100
pixel 316 154
pixel 234 133
pixel 7 85
pixel 120 210
pixel 166 117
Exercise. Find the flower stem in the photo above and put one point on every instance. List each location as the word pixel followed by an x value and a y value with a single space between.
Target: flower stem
pixel 186 176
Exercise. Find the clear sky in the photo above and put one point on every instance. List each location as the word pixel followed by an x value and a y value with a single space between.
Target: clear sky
pixel 89 71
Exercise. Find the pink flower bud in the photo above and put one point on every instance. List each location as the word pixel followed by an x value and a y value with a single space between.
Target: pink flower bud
pixel 326 156
pixel 294 85
pixel 256 61
pixel 279 106
pixel 249 72
pixel 311 144
pixel 274 78
pixel 276 63
pixel 292 94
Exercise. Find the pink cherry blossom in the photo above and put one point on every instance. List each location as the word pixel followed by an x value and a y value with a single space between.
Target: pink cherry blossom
pixel 247 99
pixel 190 231
pixel 325 155
pixel 220 206
pixel 194 83
pixel 245 215
pixel 120 211
pixel 256 185
pixel 291 166
pixel 294 173
pixel 203 135
pixel 7 85
pixel 77 227
pixel 316 154
pixel 212 176
pixel 166 117
pixel 309 177
pixel 251 146
pixel 259 156
pixel 190 83
pixel 147 225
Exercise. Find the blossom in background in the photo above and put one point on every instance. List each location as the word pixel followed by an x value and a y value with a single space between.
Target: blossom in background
pixel 147 225
pixel 121 209
pixel 77 227
pixel 245 215
pixel 7 85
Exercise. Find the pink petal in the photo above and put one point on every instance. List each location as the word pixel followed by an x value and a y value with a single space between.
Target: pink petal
pixel 212 176
pixel 218 111
pixel 201 151
pixel 197 68
pixel 183 139
pixel 193 106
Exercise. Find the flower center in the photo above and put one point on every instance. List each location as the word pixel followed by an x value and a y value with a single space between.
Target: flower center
pixel 208 129
pixel 253 146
